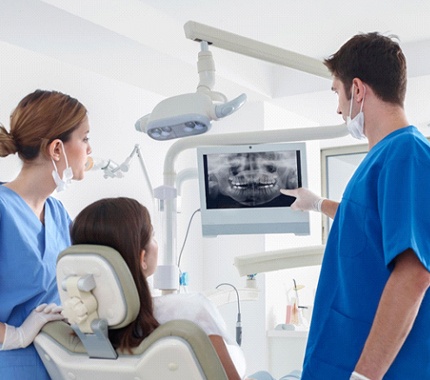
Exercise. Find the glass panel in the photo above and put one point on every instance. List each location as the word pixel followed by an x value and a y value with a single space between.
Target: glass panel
pixel 337 167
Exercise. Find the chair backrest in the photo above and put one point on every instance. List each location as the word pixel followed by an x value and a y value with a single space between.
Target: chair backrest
pixel 98 293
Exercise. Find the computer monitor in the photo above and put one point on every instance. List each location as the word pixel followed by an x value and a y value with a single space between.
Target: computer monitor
pixel 240 188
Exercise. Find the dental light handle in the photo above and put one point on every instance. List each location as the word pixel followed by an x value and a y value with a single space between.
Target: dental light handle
pixel 225 109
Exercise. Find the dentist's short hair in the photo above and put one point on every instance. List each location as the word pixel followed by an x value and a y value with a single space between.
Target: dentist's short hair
pixel 375 59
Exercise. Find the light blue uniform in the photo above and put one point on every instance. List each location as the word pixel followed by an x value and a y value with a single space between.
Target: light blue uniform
pixel 384 211
pixel 28 254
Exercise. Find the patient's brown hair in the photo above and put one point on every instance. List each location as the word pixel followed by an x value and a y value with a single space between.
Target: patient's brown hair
pixel 125 225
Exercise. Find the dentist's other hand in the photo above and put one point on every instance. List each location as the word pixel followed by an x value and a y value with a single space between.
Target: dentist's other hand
pixel 20 337
pixel 306 200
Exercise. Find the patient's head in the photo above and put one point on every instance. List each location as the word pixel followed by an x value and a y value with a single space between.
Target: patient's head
pixel 125 225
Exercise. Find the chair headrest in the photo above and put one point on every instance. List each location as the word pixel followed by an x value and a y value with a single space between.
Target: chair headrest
pixel 117 299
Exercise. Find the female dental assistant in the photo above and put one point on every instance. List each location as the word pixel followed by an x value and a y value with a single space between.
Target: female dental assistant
pixel 49 132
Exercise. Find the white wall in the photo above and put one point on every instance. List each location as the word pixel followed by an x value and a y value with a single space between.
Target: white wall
pixel 279 282
pixel 113 108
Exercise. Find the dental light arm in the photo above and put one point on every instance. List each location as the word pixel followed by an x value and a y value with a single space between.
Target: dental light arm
pixel 126 165
pixel 257 137
pixel 190 114
pixel 256 49
pixel 182 176
pixel 113 170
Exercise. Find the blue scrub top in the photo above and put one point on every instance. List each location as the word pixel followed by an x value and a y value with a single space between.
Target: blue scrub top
pixel 28 255
pixel 385 210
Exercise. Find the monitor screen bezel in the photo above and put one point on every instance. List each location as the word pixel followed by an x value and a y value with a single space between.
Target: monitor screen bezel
pixel 252 220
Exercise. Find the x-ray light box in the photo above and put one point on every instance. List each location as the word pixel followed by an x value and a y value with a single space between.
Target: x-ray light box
pixel 240 188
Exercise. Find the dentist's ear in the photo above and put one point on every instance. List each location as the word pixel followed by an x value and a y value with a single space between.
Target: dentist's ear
pixel 359 89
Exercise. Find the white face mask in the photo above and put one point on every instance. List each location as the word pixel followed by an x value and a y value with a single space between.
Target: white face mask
pixel 62 183
pixel 356 125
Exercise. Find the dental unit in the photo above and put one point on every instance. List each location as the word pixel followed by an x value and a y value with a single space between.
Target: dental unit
pixel 167 275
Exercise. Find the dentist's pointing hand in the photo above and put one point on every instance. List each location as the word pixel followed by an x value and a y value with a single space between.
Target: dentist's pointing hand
pixel 306 200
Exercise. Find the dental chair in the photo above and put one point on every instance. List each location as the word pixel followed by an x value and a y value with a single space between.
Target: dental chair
pixel 98 293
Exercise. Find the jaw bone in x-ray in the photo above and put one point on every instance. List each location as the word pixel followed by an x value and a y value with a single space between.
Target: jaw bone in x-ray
pixel 250 179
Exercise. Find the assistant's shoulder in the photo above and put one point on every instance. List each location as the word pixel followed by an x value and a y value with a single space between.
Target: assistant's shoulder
pixel 57 208
pixel 5 195
pixel 54 202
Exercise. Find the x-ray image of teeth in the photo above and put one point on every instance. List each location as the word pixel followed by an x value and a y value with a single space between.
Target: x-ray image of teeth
pixel 250 179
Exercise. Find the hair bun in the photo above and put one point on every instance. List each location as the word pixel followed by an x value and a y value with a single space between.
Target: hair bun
pixel 7 143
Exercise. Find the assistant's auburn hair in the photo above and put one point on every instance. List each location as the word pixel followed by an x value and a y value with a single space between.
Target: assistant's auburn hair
pixel 125 225
pixel 40 118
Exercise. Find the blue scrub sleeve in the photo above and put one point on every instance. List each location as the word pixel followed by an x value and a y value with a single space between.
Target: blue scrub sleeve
pixel 404 207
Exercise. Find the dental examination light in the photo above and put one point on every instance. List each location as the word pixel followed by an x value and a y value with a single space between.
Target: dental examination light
pixel 190 114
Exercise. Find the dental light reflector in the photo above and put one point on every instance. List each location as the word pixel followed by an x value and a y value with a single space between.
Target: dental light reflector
pixel 185 115
pixel 179 116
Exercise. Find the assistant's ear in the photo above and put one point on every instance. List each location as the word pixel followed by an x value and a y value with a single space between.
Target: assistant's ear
pixel 54 149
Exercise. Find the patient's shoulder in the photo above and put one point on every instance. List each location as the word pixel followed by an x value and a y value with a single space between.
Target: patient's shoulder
pixel 180 302
pixel 194 307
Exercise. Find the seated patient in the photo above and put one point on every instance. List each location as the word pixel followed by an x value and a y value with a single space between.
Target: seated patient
pixel 125 225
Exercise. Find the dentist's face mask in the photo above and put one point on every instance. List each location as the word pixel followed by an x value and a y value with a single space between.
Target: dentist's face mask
pixel 64 182
pixel 356 125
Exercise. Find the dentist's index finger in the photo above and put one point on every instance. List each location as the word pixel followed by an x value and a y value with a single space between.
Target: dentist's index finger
pixel 290 192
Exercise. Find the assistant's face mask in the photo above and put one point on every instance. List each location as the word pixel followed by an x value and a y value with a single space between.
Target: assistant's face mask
pixel 62 182
pixel 356 125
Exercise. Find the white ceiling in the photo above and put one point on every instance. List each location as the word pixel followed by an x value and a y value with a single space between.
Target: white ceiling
pixel 142 43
